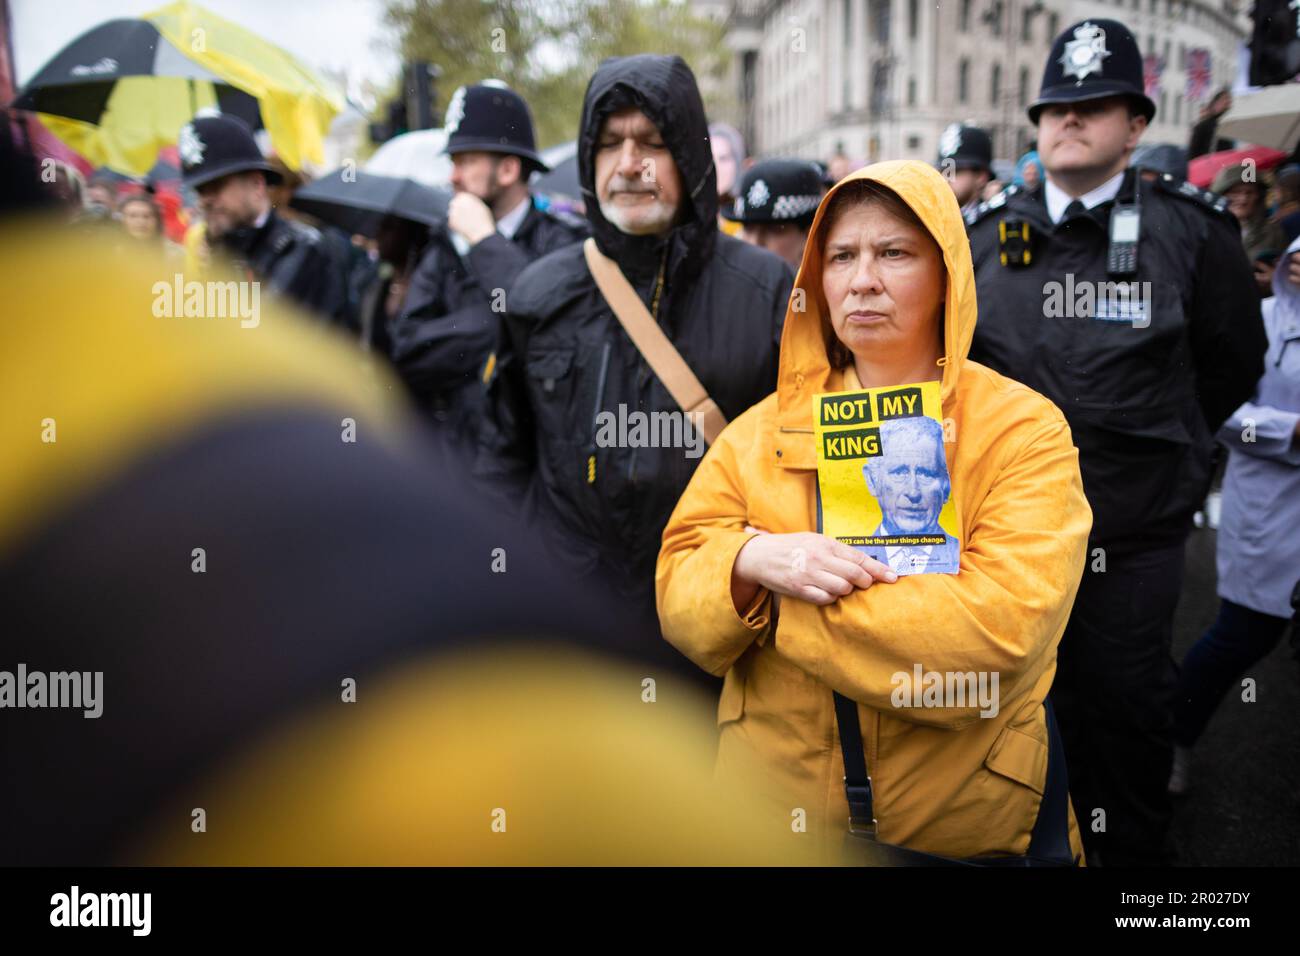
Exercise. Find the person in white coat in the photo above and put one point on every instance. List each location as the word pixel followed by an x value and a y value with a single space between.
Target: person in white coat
pixel 1258 547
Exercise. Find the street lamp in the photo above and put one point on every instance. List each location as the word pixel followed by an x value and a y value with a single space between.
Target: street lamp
pixel 882 94
pixel 1007 94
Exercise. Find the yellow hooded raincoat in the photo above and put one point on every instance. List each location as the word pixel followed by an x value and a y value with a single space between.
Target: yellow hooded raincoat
pixel 946 780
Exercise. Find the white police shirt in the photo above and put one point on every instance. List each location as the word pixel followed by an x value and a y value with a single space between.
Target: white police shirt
pixel 509 224
pixel 1058 199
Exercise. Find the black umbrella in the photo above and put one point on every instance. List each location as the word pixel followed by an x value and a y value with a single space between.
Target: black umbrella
pixel 1162 157
pixel 357 202
pixel 79 80
pixel 562 179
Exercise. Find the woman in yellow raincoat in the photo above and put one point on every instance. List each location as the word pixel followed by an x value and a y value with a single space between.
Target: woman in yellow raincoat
pixel 749 590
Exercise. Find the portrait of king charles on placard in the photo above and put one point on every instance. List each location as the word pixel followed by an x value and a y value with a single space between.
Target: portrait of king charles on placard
pixel 909 480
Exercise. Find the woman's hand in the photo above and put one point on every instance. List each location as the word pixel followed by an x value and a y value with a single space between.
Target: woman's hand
pixel 807 566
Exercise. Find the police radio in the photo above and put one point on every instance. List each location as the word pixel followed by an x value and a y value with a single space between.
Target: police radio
pixel 1125 226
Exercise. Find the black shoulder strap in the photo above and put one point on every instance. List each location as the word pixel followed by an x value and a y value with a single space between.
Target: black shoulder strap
pixel 1050 840
pixel 857 782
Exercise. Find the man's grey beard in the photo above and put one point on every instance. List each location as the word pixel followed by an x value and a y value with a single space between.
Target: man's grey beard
pixel 654 221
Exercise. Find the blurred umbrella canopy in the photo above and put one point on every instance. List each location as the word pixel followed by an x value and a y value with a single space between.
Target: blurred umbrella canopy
pixel 122 90
pixel 1268 117
pixel 417 155
pixel 358 202
pixel 562 179
pixel 1202 170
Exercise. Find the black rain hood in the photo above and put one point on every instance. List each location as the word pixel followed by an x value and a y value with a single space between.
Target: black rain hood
pixel 664 89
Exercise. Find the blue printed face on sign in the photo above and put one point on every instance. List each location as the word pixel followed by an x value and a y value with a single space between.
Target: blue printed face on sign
pixel 910 476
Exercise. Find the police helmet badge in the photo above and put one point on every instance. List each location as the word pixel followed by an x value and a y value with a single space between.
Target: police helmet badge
pixel 455 111
pixel 1084 54
pixel 758 194
pixel 950 140
pixel 190 146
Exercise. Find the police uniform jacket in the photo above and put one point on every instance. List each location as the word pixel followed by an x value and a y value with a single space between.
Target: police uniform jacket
pixel 293 259
pixel 1143 382
pixel 450 322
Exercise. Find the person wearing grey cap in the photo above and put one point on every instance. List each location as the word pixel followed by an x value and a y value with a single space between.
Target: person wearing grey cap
pixel 1243 186
pixel 775 204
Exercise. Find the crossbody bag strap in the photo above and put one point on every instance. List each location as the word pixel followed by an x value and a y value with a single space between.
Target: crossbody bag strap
pixel 857 781
pixel 1050 839
pixel 657 349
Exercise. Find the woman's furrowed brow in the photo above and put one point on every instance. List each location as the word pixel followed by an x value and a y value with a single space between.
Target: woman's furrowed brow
pixel 892 239
pixel 876 242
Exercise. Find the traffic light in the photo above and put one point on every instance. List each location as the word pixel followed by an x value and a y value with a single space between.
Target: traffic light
pixel 420 83
pixel 1274 43
pixel 412 108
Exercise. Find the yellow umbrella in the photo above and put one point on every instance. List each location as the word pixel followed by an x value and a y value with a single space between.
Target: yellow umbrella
pixel 123 90
pixel 144 113
pixel 297 104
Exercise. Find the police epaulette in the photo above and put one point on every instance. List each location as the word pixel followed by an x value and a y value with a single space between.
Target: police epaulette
pixel 991 205
pixel 1181 187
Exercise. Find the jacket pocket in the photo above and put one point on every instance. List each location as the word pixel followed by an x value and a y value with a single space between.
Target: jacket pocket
pixel 552 389
pixel 1020 757
pixel 549 371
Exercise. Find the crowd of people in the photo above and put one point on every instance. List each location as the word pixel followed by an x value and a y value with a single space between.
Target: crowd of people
pixel 695 282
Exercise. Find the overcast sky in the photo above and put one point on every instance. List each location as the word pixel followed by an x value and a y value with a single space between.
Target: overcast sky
pixel 347 34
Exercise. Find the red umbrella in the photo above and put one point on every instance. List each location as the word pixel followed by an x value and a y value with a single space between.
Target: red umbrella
pixel 1202 170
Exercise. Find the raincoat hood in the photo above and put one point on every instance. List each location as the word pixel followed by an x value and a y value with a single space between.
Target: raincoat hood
pixel 664 89
pixel 1287 295
pixel 1029 159
pixel 805 365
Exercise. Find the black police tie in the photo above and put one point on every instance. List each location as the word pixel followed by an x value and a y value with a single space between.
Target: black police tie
pixel 1074 210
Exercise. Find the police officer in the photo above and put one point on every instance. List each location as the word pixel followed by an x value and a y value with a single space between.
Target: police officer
pixel 446 338
pixel 775 204
pixel 221 162
pixel 966 161
pixel 1131 305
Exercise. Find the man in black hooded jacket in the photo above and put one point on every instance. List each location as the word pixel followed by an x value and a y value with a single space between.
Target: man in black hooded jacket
pixel 558 407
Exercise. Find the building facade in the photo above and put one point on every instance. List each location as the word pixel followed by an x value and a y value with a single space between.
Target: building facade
pixel 880 79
